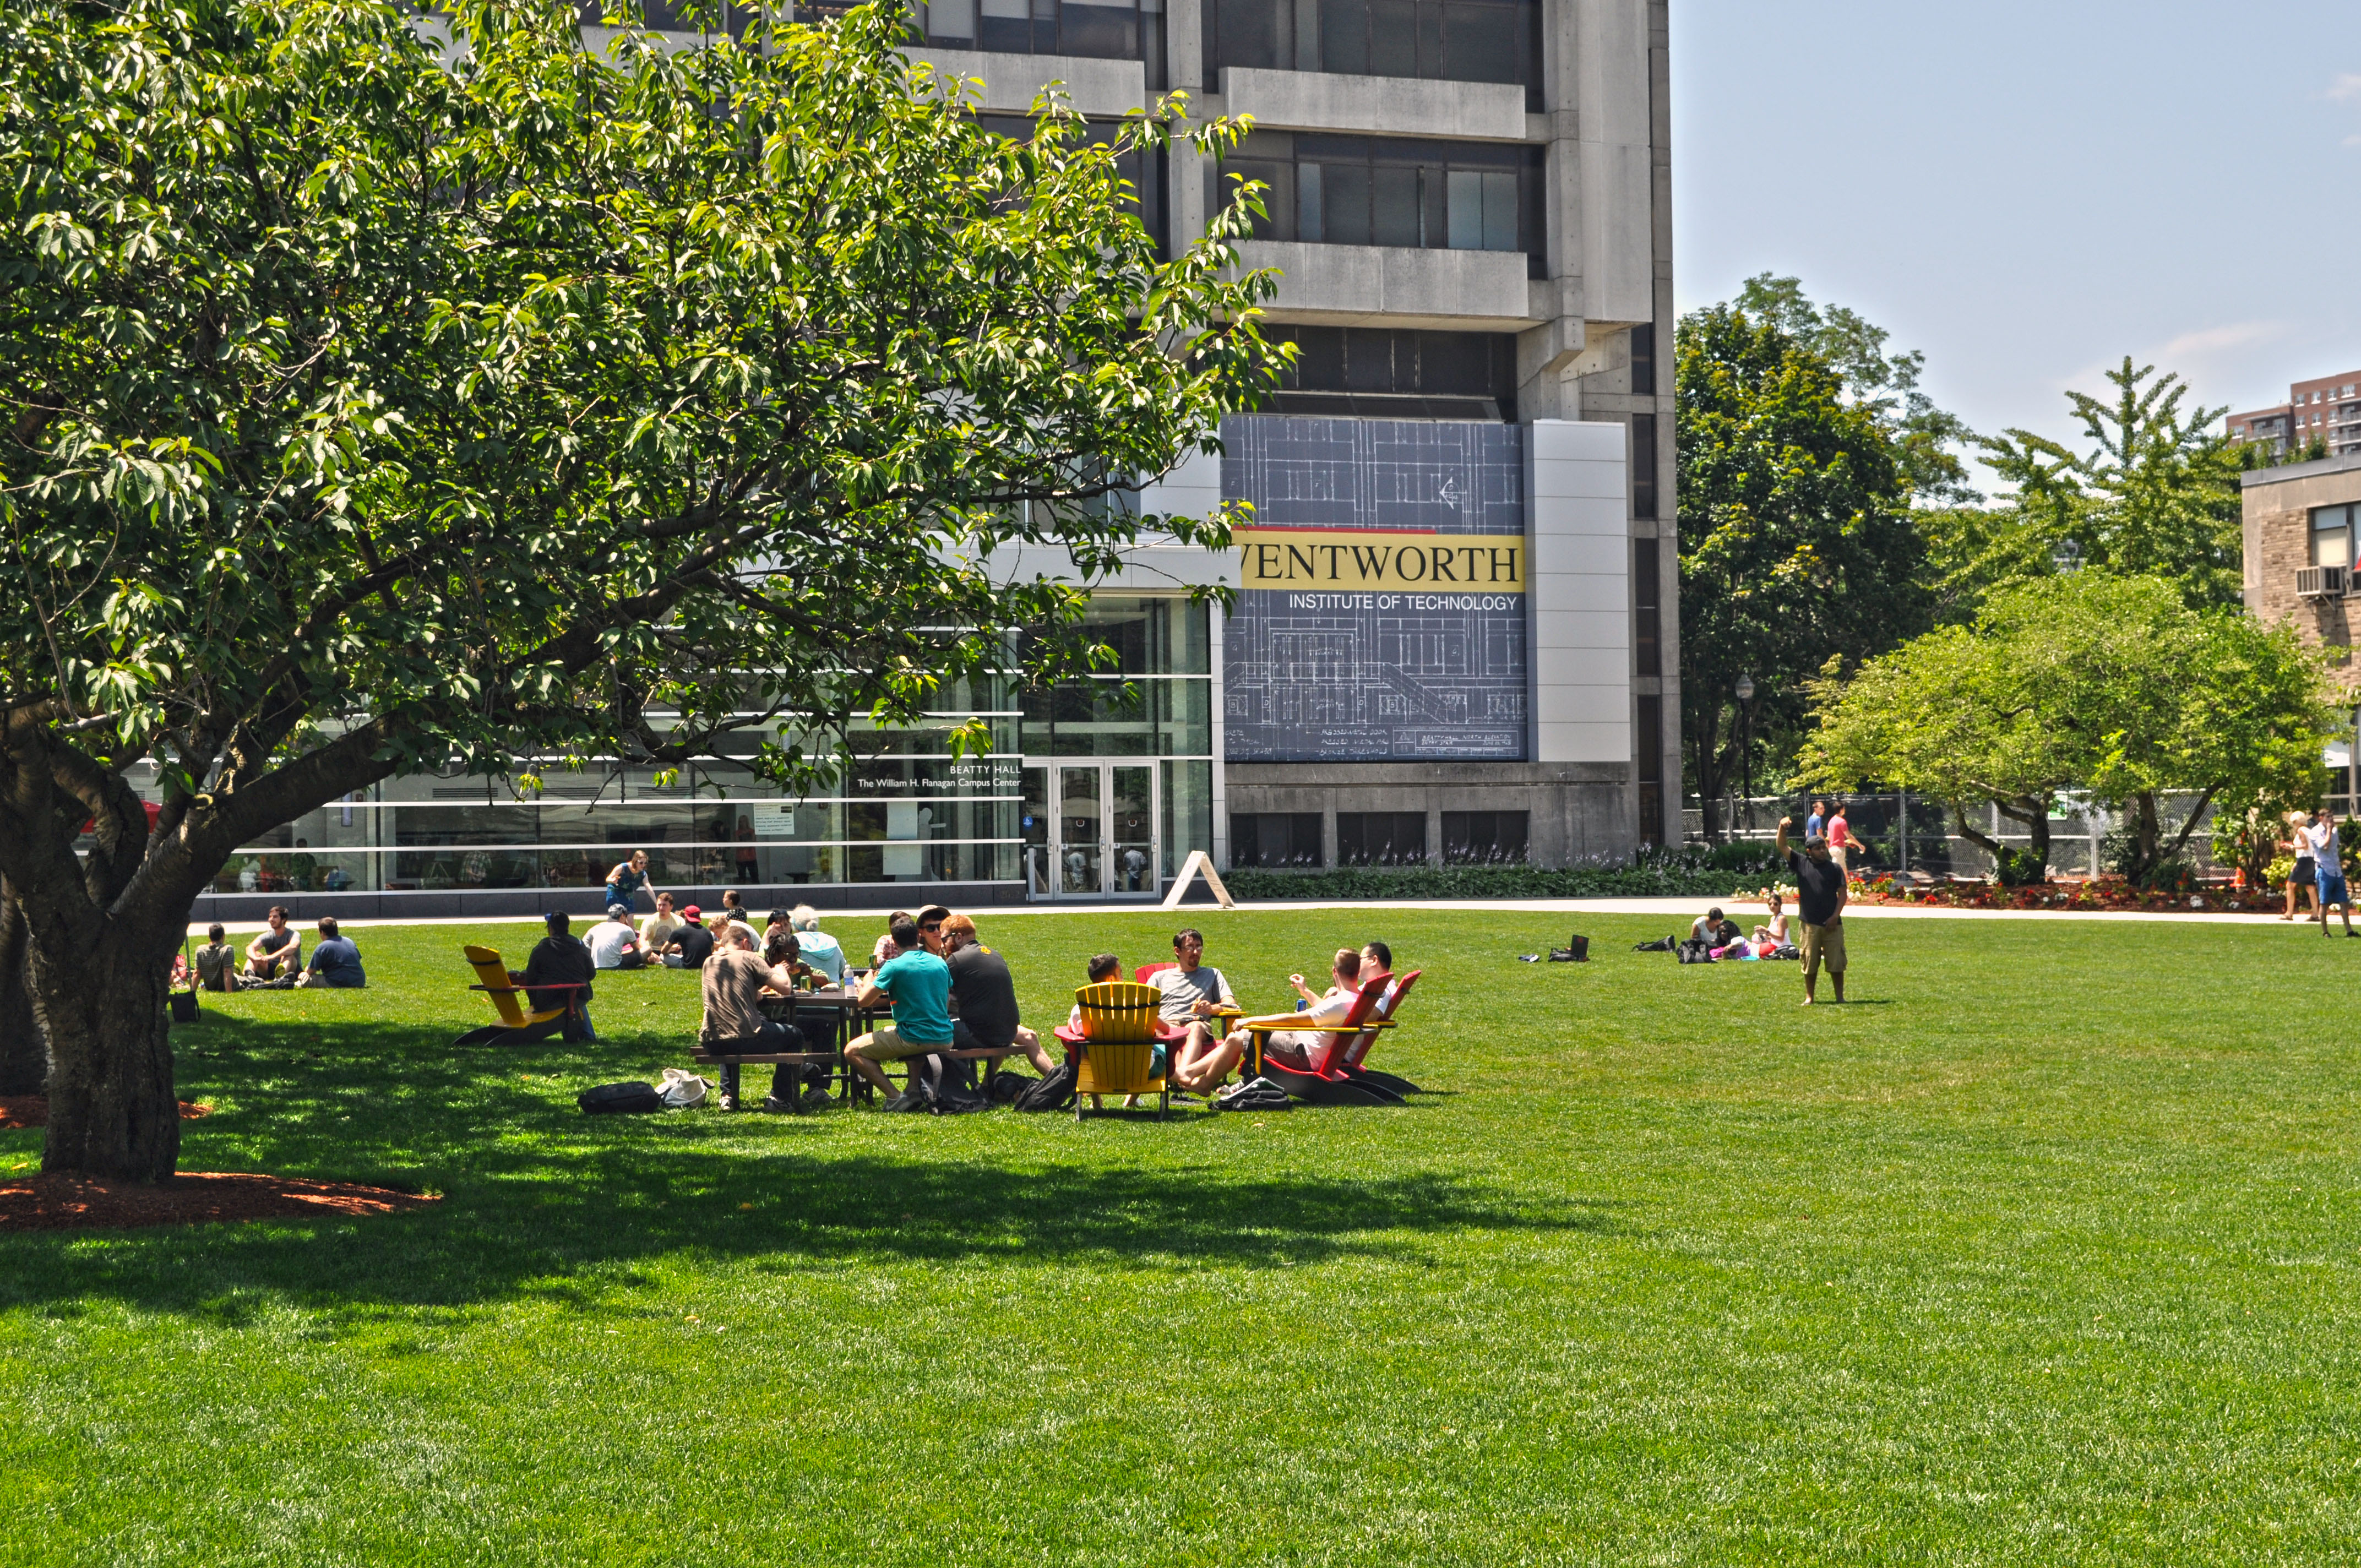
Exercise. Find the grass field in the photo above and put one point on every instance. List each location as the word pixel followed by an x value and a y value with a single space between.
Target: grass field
pixel 2043 1252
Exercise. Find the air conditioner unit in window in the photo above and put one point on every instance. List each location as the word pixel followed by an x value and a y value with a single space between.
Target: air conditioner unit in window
pixel 2321 581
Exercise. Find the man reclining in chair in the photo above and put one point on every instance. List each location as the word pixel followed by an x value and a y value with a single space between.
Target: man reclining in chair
pixel 1193 993
pixel 1298 1048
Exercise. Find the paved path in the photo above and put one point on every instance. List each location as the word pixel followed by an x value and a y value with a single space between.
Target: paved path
pixel 1683 907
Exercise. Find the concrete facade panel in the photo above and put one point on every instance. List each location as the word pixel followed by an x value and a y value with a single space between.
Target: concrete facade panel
pixel 1385 106
pixel 1011 81
pixel 1477 291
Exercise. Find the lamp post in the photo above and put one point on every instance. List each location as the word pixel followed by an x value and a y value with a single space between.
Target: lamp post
pixel 1745 690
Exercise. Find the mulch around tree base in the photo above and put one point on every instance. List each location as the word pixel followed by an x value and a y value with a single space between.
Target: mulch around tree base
pixel 33 1111
pixel 191 1198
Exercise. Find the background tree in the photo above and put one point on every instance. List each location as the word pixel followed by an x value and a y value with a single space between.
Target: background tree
pixel 2107 682
pixel 368 416
pixel 1946 717
pixel 2155 494
pixel 1796 539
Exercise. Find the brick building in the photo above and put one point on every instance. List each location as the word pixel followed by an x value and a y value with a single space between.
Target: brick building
pixel 2329 407
pixel 2300 532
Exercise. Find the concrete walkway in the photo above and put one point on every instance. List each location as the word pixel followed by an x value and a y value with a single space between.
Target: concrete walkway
pixel 1682 908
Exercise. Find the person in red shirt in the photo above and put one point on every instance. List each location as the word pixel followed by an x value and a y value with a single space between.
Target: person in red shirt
pixel 1840 838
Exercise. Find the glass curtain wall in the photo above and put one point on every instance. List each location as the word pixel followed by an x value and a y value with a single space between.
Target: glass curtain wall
pixel 1415 194
pixel 1157 702
pixel 905 811
pixel 1092 29
pixel 1455 40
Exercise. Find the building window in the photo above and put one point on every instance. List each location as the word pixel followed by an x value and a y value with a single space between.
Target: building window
pixel 1648 743
pixel 1484 838
pixel 1389 191
pixel 1275 838
pixel 1375 370
pixel 1381 838
pixel 1643 466
pixel 1644 360
pixel 2332 536
pixel 1454 40
pixel 1127 29
pixel 1647 608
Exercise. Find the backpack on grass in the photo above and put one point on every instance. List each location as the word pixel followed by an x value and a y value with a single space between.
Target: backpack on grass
pixel 1695 951
pixel 1575 951
pixel 619 1100
pixel 1055 1093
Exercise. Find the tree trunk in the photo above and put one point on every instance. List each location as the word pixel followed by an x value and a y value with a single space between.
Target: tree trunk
pixel 2034 813
pixel 24 1054
pixel 113 1108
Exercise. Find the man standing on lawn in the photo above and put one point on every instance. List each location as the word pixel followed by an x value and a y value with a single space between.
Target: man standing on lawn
pixel 1819 902
pixel 2328 868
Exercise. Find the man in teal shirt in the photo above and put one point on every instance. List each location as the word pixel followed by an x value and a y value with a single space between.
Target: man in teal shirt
pixel 918 984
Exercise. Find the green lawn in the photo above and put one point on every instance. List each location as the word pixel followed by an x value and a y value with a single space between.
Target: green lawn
pixel 2045 1252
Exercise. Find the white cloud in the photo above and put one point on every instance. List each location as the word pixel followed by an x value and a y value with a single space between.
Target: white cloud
pixel 2346 88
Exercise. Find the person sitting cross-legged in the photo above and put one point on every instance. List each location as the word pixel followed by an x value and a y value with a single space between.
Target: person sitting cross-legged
pixel 335 962
pixel 276 951
pixel 918 984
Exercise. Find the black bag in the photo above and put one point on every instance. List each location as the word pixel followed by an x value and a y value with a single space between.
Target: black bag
pixel 1007 1087
pixel 1055 1093
pixel 1785 951
pixel 1662 945
pixel 619 1100
pixel 1575 951
pixel 937 1077
pixel 184 1006
pixel 1695 951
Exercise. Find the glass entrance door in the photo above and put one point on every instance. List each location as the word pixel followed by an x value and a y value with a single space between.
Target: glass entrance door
pixel 1105 840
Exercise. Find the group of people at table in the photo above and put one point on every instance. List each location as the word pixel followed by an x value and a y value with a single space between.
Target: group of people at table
pixel 947 994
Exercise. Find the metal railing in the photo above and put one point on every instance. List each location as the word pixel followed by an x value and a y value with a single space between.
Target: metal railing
pixel 1913 833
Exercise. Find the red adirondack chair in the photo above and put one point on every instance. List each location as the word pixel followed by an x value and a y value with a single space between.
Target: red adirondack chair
pixel 1357 1052
pixel 1324 1081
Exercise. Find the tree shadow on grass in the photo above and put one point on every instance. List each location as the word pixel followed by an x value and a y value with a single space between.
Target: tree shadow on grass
pixel 542 1200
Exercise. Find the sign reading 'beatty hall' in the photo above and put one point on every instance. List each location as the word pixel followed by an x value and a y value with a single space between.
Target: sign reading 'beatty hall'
pixel 1381 591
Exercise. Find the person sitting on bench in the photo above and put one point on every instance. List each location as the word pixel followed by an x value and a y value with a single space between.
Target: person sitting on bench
pixel 734 981
pixel 822 951
pixel 983 993
pixel 918 984
pixel 559 960
pixel 276 951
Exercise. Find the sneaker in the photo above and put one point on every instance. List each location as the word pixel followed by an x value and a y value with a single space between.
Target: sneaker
pixel 817 1100
pixel 729 1102
pixel 909 1100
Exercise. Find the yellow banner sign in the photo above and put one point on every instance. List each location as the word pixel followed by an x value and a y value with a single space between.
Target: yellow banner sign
pixel 1284 558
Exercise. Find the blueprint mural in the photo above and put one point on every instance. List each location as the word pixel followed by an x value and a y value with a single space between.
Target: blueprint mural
pixel 1381 606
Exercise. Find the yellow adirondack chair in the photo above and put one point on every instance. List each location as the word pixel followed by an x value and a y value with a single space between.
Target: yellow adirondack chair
pixel 1115 1048
pixel 516 1026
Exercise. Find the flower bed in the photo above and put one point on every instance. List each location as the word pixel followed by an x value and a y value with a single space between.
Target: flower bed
pixel 2078 896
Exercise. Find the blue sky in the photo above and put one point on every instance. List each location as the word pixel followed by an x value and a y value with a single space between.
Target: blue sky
pixel 2029 191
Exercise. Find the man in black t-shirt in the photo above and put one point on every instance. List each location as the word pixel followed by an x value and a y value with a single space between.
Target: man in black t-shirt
pixel 691 943
pixel 984 997
pixel 1819 909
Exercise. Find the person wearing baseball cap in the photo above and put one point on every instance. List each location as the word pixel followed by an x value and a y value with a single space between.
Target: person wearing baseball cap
pixel 692 944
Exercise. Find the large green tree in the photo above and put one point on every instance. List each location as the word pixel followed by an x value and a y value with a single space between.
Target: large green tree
pixel 2152 492
pixel 1796 539
pixel 366 413
pixel 2110 682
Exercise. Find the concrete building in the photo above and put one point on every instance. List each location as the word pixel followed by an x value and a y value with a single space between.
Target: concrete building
pixel 1455 637
pixel 2327 409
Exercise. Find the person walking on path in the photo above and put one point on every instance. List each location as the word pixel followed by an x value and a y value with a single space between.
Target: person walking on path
pixel 2300 882
pixel 2328 869
pixel 1820 908
pixel 1841 843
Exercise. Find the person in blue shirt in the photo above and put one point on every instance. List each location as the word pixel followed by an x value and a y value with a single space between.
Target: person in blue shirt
pixel 625 881
pixel 1815 826
pixel 918 984
pixel 820 951
pixel 335 962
